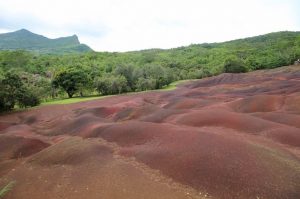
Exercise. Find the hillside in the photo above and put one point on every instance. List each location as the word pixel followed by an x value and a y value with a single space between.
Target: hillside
pixel 232 136
pixel 26 40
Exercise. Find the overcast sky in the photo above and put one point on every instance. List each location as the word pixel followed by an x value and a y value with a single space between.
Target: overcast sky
pixel 123 25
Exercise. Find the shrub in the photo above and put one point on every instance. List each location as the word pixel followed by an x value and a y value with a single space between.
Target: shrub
pixel 13 90
pixel 26 98
pixel 9 88
pixel 111 85
pixel 102 86
pixel 145 84
pixel 234 66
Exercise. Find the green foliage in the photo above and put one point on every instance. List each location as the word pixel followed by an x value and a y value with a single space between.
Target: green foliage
pixel 15 59
pixel 13 90
pixel 145 84
pixel 162 76
pixel 111 85
pixel 9 90
pixel 71 81
pixel 27 98
pixel 118 84
pixel 127 72
pixel 103 86
pixel 234 65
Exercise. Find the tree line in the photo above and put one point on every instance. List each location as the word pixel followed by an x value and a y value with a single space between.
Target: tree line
pixel 28 78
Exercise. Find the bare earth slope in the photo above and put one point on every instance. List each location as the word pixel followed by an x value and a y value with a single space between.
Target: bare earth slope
pixel 230 136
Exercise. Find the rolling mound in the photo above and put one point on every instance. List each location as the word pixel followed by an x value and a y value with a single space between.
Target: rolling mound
pixel 259 103
pixel 220 137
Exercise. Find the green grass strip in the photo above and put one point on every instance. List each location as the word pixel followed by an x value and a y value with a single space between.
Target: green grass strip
pixel 6 189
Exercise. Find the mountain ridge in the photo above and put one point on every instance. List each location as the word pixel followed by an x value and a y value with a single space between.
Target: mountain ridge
pixel 24 39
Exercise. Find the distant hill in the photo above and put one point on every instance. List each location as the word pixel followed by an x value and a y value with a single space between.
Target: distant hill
pixel 26 40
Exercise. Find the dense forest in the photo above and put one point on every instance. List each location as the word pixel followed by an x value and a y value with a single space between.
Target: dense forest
pixel 28 78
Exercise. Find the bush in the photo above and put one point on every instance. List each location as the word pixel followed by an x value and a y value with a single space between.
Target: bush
pixel 111 85
pixel 118 84
pixel 7 101
pixel 102 86
pixel 13 90
pixel 145 84
pixel 162 76
pixel 234 66
pixel 27 98
pixel 9 87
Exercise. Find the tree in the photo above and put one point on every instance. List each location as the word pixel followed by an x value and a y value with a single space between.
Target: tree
pixel 102 85
pixel 111 85
pixel 6 101
pixel 13 90
pixel 118 85
pixel 9 89
pixel 71 81
pixel 162 76
pixel 127 72
pixel 27 98
pixel 145 84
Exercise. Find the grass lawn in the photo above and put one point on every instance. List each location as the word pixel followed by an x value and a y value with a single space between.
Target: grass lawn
pixel 73 100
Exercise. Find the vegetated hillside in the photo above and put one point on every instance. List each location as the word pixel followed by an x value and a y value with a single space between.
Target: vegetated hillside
pixel 112 73
pixel 26 40
pixel 233 136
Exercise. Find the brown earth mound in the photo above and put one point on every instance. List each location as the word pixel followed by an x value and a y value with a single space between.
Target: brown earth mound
pixel 19 147
pixel 280 117
pixel 229 136
pixel 258 103
pixel 223 118
pixel 71 152
pixel 209 162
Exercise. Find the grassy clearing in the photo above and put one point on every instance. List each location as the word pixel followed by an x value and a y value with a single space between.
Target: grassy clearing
pixel 170 87
pixel 6 189
pixel 173 85
pixel 73 100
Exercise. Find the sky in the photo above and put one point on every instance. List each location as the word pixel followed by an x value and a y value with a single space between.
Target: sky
pixel 126 25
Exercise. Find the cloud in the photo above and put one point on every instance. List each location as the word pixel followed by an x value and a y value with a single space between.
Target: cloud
pixel 118 25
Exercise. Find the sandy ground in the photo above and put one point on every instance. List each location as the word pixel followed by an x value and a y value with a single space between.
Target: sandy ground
pixel 229 136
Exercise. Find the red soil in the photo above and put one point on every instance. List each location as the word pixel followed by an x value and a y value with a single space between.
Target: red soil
pixel 4 125
pixel 230 136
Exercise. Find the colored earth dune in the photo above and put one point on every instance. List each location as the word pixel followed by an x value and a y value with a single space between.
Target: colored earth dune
pixel 229 136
